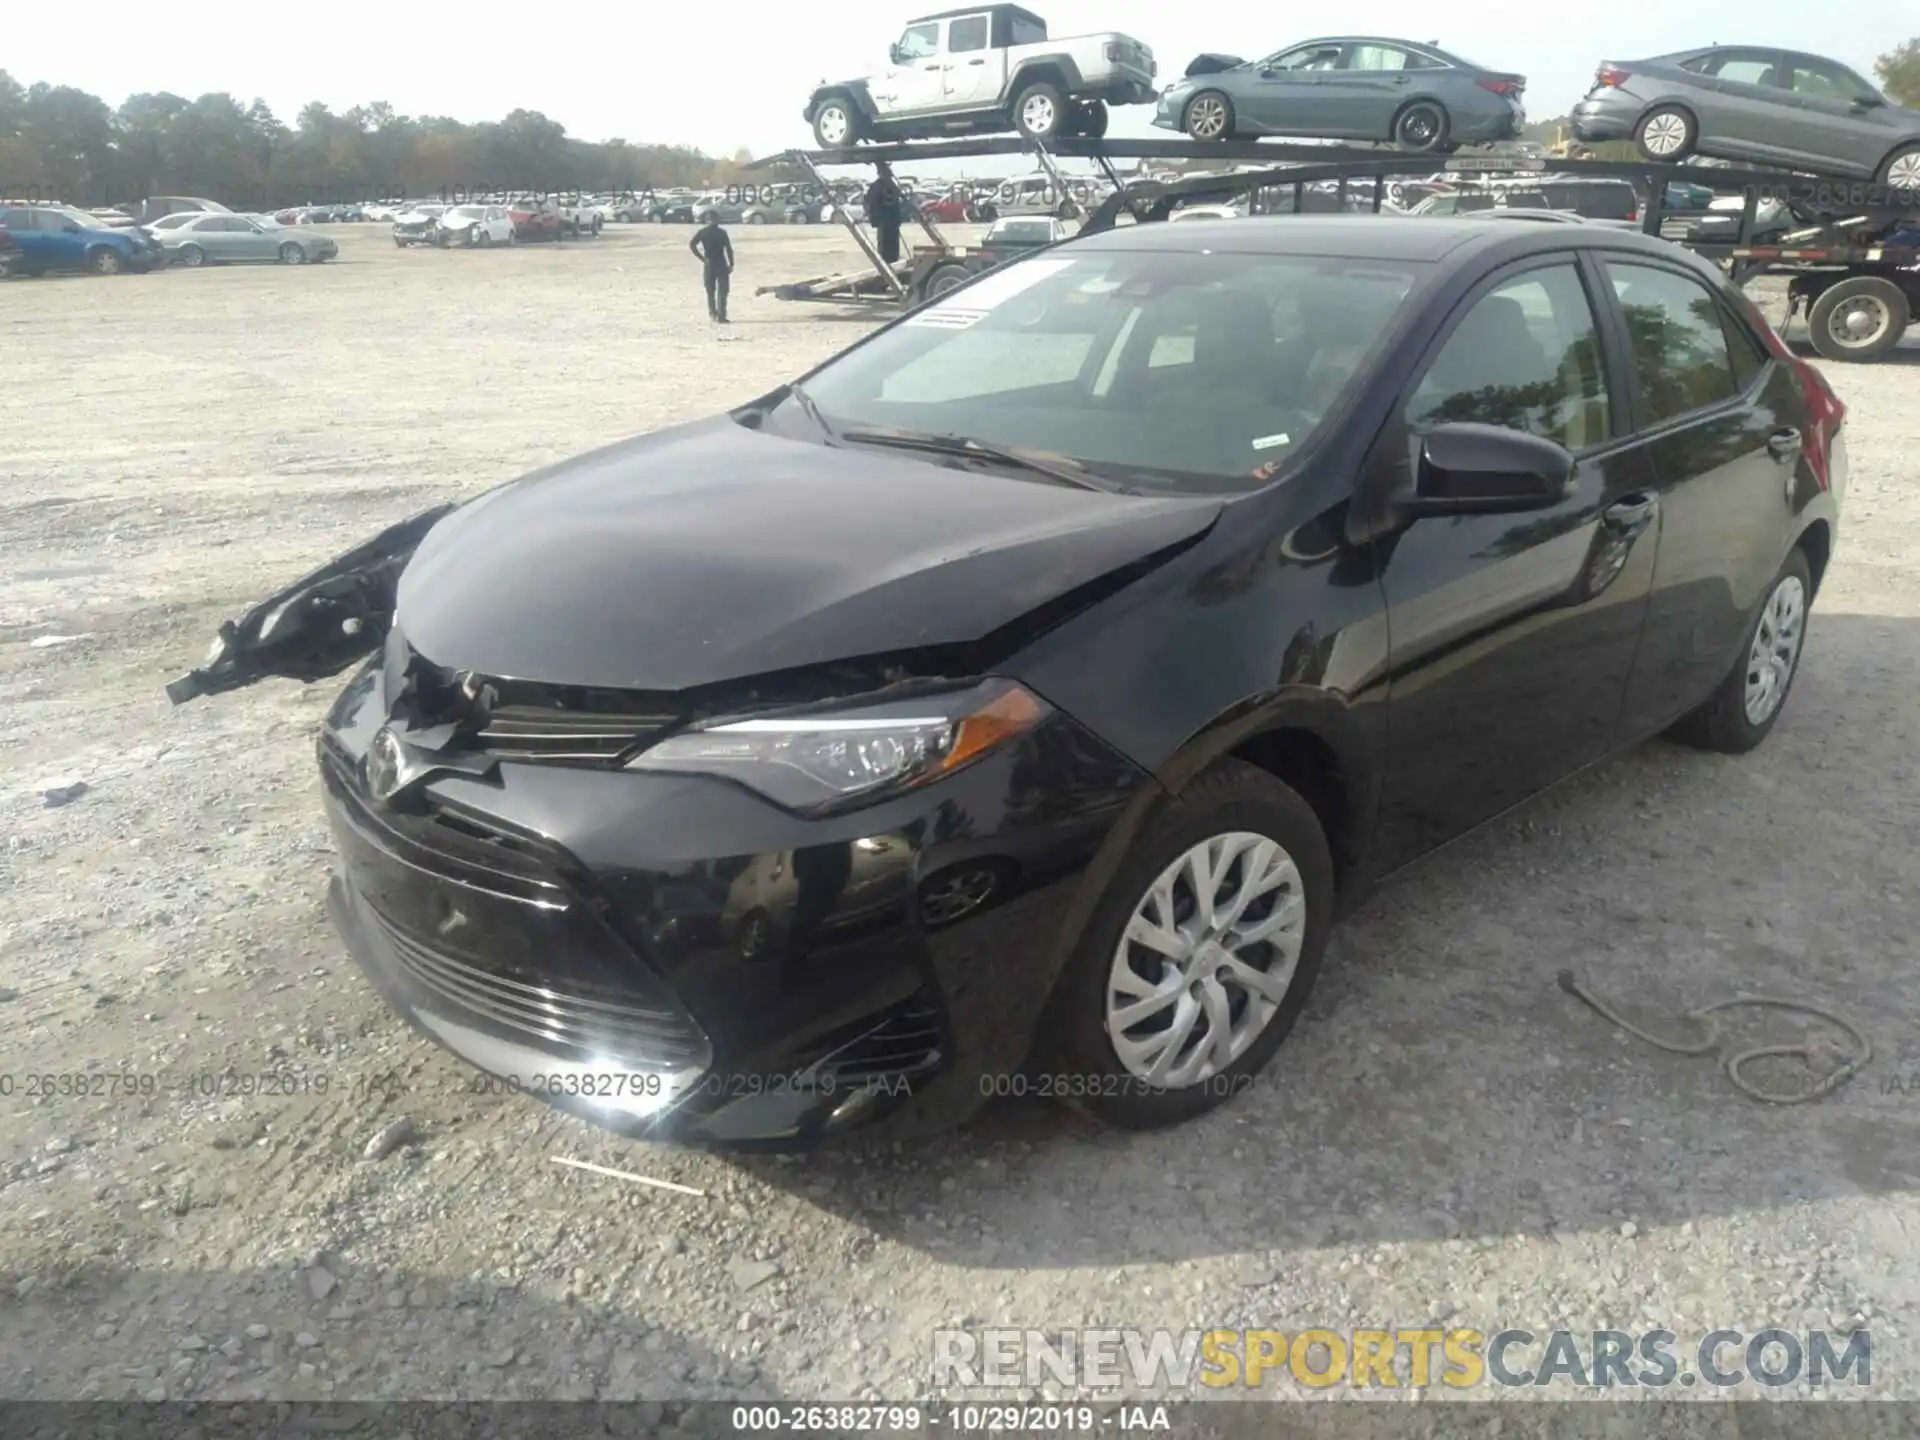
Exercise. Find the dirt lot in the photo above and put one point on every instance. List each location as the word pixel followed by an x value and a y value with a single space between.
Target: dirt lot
pixel 1447 1138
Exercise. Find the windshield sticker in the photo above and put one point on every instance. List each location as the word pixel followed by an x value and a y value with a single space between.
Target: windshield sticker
pixel 969 306
pixel 1267 442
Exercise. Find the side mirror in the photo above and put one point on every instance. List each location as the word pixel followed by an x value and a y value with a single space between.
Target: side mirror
pixel 1868 102
pixel 897 55
pixel 1267 72
pixel 1471 469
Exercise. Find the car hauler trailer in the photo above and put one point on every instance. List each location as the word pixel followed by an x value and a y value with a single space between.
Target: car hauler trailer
pixel 1850 251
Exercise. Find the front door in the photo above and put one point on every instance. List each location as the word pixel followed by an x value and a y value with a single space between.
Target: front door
pixel 1835 124
pixel 915 79
pixel 1512 636
pixel 1284 97
pixel 1712 403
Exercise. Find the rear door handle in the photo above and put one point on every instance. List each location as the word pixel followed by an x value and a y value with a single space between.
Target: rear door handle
pixel 1632 514
pixel 1783 445
pixel 976 62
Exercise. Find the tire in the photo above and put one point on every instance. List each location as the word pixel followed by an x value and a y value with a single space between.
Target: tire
pixel 1092 121
pixel 483 239
pixel 105 261
pixel 191 256
pixel 1040 110
pixel 1858 319
pixel 398 243
pixel 756 218
pixel 292 254
pixel 1066 210
pixel 1725 722
pixel 1230 799
pixel 941 279
pixel 1209 116
pixel 836 124
pixel 1422 128
pixel 1901 170
pixel 513 236
pixel 1666 134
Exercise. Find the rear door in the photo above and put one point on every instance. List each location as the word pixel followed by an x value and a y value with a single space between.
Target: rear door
pixel 27 235
pixel 1512 636
pixel 1361 96
pixel 975 71
pixel 1834 124
pixel 1721 419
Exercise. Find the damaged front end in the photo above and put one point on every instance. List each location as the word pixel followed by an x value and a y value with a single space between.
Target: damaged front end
pixel 1212 63
pixel 317 626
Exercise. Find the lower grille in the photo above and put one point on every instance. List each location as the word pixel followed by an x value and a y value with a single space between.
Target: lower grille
pixel 908 1042
pixel 558 1014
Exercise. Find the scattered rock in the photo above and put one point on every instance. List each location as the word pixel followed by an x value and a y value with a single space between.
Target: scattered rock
pixel 50 642
pixel 306 1340
pixel 1628 1229
pixel 499 1359
pixel 746 1274
pixel 258 1332
pixel 321 1282
pixel 54 796
pixel 391 1138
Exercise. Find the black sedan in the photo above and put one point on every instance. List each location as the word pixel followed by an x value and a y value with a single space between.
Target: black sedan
pixel 1012 704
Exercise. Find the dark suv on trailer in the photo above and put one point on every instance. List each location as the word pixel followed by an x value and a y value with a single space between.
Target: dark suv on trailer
pixel 1034 682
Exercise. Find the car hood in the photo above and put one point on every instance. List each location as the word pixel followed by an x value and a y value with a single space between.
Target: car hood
pixel 1212 63
pixel 713 552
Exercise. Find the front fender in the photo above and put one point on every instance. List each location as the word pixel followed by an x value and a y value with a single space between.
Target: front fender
pixel 854 90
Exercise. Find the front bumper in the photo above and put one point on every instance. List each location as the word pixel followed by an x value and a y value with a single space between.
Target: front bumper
pixel 671 956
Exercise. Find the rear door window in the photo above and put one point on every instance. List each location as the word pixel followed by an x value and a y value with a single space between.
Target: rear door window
pixel 1679 339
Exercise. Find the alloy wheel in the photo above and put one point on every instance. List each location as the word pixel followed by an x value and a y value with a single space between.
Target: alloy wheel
pixel 1419 128
pixel 1776 649
pixel 1207 118
pixel 1205 960
pixel 833 126
pixel 1666 134
pixel 959 892
pixel 1038 116
pixel 1904 172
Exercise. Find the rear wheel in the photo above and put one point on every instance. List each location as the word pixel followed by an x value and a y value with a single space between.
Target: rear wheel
pixel 1421 128
pixel 1199 956
pixel 1091 119
pixel 191 256
pixel 943 278
pixel 1209 116
pixel 1742 711
pixel 1858 319
pixel 1040 111
pixel 1666 134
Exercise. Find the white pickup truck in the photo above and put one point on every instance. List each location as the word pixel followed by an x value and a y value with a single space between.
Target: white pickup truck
pixel 983 70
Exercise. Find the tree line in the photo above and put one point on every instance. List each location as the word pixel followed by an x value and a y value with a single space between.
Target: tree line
pixel 61 143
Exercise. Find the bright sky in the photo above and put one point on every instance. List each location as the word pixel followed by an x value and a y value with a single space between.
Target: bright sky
pixel 720 78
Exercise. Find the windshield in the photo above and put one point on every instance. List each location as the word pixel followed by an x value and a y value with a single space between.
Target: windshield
pixel 469 212
pixel 1040 230
pixel 1174 370
pixel 79 217
pixel 264 222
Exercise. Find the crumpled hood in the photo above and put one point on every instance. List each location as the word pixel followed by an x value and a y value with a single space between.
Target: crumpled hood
pixel 712 552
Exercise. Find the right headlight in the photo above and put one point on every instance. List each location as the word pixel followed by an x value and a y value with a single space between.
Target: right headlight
pixel 824 760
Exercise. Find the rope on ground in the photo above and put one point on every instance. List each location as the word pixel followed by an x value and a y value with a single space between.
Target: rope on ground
pixel 1733 1064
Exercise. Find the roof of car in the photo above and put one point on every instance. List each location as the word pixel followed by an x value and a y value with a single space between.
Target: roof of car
pixel 1418 238
pixel 1019 10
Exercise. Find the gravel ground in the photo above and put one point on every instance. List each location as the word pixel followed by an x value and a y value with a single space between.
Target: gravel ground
pixel 1447 1138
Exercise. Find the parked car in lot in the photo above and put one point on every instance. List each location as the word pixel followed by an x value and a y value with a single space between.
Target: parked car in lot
pixel 1420 97
pixel 416 225
pixel 477 226
pixel 9 251
pixel 992 68
pixel 580 218
pixel 1017 235
pixel 1753 103
pixel 59 237
pixel 155 207
pixel 1211 571
pixel 237 239
pixel 535 220
pixel 1593 199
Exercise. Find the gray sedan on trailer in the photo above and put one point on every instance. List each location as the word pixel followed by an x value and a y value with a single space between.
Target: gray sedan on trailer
pixel 232 239
pixel 1348 88
pixel 1746 102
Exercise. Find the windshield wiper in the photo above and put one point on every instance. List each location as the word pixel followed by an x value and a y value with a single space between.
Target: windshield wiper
pixel 811 410
pixel 1055 467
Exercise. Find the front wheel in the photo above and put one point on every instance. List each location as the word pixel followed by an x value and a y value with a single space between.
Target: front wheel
pixel 1200 955
pixel 105 261
pixel 1421 128
pixel 292 254
pixel 1902 169
pixel 1741 712
pixel 836 125
pixel 1209 116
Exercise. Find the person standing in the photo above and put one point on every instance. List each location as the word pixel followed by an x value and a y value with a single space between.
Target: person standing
pixel 715 250
pixel 884 206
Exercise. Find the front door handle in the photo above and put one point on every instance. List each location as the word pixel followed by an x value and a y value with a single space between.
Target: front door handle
pixel 1783 445
pixel 1632 514
pixel 933 67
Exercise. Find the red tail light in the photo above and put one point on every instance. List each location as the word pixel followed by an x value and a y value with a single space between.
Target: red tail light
pixel 1502 87
pixel 1611 76
pixel 1826 413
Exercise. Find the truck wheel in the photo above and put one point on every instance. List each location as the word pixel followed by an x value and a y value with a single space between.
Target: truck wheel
pixel 941 279
pixel 1091 119
pixel 1209 116
pixel 1858 319
pixel 1040 111
pixel 836 124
